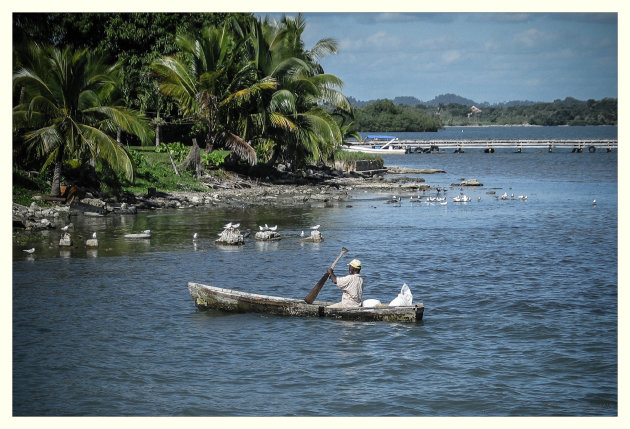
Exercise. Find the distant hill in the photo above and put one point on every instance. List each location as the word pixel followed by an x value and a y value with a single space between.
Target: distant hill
pixel 408 101
pixel 450 98
pixel 443 99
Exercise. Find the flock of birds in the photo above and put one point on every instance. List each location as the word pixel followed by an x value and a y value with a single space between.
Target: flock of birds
pixel 229 226
pixel 512 197
pixel 92 242
pixel 461 198
pixel 395 199
pixel 268 228
pixel 232 227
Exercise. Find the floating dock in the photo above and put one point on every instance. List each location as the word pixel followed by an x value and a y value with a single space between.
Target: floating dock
pixel 490 145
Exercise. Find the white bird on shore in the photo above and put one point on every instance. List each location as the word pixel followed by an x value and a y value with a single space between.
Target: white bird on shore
pixel 228 225
pixel 315 228
pixel 146 231
pixel 29 250
pixel 302 234
pixel 94 235
pixel 195 236
pixel 235 225
pixel 262 228
pixel 65 228
pixel 273 228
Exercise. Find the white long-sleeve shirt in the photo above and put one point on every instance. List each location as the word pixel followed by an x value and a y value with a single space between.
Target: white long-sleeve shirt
pixel 352 287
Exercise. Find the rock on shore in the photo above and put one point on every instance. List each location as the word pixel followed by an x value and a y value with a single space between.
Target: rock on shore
pixel 267 236
pixel 230 236
pixel 35 217
pixel 469 182
pixel 314 188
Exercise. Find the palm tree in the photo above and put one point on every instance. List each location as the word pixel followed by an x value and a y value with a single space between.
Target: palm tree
pixel 294 116
pixel 215 85
pixel 69 109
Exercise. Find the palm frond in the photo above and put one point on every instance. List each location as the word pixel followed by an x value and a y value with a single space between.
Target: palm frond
pixel 44 106
pixel 278 120
pixel 336 99
pixel 44 140
pixel 245 94
pixel 108 149
pixel 176 79
pixel 240 147
pixel 323 47
pixel 291 66
pixel 283 101
pixel 128 120
pixel 326 80
pixel 323 125
pixel 50 160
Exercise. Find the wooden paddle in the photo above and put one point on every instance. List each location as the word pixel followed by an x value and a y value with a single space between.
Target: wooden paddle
pixel 313 293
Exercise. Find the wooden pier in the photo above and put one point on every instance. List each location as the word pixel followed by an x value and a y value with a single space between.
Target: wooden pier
pixel 490 145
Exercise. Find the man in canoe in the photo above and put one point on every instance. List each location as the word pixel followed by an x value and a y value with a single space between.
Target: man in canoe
pixel 351 285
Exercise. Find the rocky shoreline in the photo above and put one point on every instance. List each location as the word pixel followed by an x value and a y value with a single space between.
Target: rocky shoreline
pixel 316 189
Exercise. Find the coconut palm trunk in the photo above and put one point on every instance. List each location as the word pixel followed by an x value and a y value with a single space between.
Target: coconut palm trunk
pixel 55 188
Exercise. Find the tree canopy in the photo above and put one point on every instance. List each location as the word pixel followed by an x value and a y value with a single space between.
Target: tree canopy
pixel 69 110
pixel 244 83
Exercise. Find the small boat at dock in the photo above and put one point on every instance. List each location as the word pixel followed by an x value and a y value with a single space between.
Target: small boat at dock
pixel 215 298
pixel 384 145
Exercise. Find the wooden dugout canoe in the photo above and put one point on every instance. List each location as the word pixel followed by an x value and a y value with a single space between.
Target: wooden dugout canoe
pixel 211 297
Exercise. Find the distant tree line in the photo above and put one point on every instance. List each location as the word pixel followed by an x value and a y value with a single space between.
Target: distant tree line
pixel 385 115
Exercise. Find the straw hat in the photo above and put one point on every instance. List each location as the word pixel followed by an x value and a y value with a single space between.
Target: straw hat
pixel 355 263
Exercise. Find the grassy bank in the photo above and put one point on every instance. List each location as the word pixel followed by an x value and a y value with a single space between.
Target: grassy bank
pixel 26 185
pixel 153 170
pixel 347 156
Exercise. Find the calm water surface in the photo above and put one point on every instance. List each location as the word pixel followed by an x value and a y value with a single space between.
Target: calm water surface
pixel 520 296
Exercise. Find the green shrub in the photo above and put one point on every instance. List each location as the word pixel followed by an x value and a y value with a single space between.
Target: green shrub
pixel 344 155
pixel 215 158
pixel 178 150
pixel 25 186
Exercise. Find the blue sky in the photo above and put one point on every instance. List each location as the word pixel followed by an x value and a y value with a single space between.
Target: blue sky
pixel 491 57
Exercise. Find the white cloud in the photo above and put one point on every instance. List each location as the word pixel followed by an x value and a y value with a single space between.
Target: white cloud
pixel 532 38
pixel 451 56
pixel 381 40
